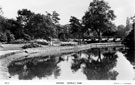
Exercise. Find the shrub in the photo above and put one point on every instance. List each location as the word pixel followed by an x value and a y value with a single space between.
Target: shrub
pixel 3 37
pixel 10 36
pixel 27 37
pixel 18 41
pixel 42 41
pixel 32 45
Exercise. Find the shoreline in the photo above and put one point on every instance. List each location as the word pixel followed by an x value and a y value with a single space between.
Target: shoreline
pixel 21 54
pixel 14 55
pixel 49 50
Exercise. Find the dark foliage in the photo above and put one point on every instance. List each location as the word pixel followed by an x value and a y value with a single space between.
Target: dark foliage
pixel 98 18
pixel 129 41
pixel 32 45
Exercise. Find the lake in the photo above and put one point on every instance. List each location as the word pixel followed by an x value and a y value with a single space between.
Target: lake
pixel 112 63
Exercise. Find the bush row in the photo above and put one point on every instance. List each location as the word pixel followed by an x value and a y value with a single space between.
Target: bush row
pixel 31 45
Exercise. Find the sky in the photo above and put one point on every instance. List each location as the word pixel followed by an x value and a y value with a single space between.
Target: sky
pixel 67 8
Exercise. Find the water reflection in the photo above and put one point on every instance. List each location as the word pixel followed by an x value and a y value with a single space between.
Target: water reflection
pixel 98 68
pixel 130 55
pixel 124 68
pixel 35 68
pixel 92 64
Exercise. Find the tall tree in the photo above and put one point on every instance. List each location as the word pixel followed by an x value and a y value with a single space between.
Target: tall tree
pixel 3 23
pixel 24 16
pixel 23 19
pixel 128 27
pixel 129 41
pixel 98 17
pixel 55 17
pixel 40 26
pixel 14 28
pixel 76 27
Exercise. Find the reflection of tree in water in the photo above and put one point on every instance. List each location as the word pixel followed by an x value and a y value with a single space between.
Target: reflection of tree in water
pixel 97 70
pixel 32 69
pixel 130 55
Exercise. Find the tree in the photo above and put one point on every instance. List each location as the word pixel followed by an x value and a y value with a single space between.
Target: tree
pixel 24 16
pixel 10 37
pixel 98 17
pixel 129 41
pixel 64 32
pixel 3 37
pixel 76 27
pixel 128 26
pixel 23 19
pixel 111 32
pixel 40 26
pixel 121 31
pixel 55 17
pixel 15 28
pixel 55 20
pixel 3 23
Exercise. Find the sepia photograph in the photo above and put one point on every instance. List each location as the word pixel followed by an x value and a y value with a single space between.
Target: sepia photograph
pixel 60 40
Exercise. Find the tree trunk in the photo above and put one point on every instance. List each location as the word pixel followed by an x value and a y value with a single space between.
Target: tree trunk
pixel 99 35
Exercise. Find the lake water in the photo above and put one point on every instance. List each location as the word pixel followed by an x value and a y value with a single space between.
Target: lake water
pixel 94 64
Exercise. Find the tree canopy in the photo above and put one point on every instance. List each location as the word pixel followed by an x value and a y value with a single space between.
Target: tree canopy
pixel 129 40
pixel 76 26
pixel 98 17
pixel 96 22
